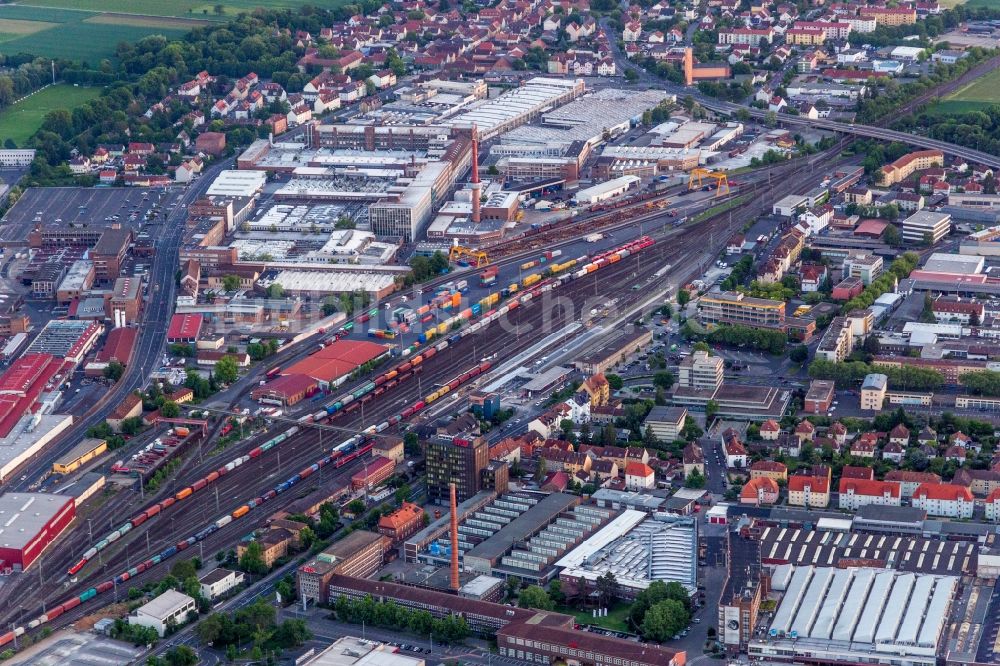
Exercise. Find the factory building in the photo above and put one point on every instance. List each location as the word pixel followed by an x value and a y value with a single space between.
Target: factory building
pixel 853 615
pixel 637 548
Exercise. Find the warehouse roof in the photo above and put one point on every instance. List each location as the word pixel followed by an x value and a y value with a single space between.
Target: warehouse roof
pixel 527 524
pixel 118 346
pixel 24 515
pixel 337 359
pixel 185 326
pixel 165 605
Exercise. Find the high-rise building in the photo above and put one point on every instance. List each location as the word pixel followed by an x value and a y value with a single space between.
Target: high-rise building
pixel 458 461
pixel 701 371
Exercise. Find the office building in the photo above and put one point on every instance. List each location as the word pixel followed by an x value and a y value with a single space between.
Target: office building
pixel 701 371
pixel 926 225
pixel 458 461
pixel 729 307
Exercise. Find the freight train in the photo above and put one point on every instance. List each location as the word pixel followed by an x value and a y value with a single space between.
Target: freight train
pixel 353 447
pixel 340 455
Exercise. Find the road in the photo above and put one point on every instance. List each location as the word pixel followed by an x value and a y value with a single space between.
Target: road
pixel 856 129
pixel 150 340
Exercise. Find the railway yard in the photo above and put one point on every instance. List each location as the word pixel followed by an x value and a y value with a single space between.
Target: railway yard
pixel 212 501
pixel 511 401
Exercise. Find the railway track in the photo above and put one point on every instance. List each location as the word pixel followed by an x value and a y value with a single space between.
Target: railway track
pixel 20 598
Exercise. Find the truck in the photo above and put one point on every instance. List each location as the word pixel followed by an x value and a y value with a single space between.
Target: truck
pixel 462 286
pixel 593 238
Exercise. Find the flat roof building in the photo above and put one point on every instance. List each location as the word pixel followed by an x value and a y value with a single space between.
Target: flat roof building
pixel 729 307
pixel 238 183
pixel 849 615
pixel 167 610
pixel 29 522
pixel 637 548
pixel 925 225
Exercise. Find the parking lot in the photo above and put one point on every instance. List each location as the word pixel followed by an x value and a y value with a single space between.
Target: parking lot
pixel 77 206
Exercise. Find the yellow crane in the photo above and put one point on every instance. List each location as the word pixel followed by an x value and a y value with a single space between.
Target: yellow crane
pixel 721 180
pixel 476 257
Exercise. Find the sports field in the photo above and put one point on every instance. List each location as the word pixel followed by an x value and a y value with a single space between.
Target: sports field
pixel 57 32
pixel 21 120
pixel 979 93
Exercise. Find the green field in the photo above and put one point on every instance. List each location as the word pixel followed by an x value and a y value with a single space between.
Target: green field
pixel 20 121
pixel 66 33
pixel 981 92
pixel 191 8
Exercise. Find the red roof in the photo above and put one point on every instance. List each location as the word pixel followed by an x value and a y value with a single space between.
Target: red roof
pixel 638 469
pixel 768 466
pixel 869 487
pixel 873 228
pixel 21 385
pixel 118 346
pixel 943 491
pixel 770 425
pixel 762 483
pixel 184 327
pixel 337 359
pixel 993 496
pixel 816 484
pixel 912 477
pixel 856 472
pixel 285 386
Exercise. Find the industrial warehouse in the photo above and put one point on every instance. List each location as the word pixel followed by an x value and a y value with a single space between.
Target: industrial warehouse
pixel 853 614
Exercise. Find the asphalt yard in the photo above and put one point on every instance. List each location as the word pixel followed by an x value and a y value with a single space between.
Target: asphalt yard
pixel 78 206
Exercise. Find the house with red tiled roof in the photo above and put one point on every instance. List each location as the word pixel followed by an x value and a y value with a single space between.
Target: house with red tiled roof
pixel 760 491
pixel 893 451
pixel 809 491
pixel 769 468
pixel 992 506
pixel 856 493
pixel 900 435
pixel 944 499
pixel 838 433
pixel 909 480
pixel 805 431
pixel 639 476
pixel 769 430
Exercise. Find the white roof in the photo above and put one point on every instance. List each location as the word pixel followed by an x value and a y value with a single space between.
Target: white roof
pixel 234 183
pixel 607 186
pixel 165 605
pixel 617 528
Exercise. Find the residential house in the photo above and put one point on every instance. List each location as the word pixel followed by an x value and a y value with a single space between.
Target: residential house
pixel 944 499
pixel 812 492
pixel 856 493
pixel 760 491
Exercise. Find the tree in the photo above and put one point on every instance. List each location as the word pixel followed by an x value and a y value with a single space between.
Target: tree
pixel 226 370
pixel 891 236
pixel 609 435
pixel 252 560
pixel 534 597
pixel 694 480
pixel 275 291
pixel 114 371
pixel 683 297
pixel 182 655
pixel 664 620
pixel 663 379
pixel 231 282
pixel 183 570
pixel 711 409
pixel 615 382
pixel 219 9
pixel 607 588
pixel 170 410
pixel 799 353
pixel 555 592
pixel 541 469
pixel 131 426
pixel 631 75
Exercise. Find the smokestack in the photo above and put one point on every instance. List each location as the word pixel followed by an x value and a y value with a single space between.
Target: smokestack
pixel 454 540
pixel 475 175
